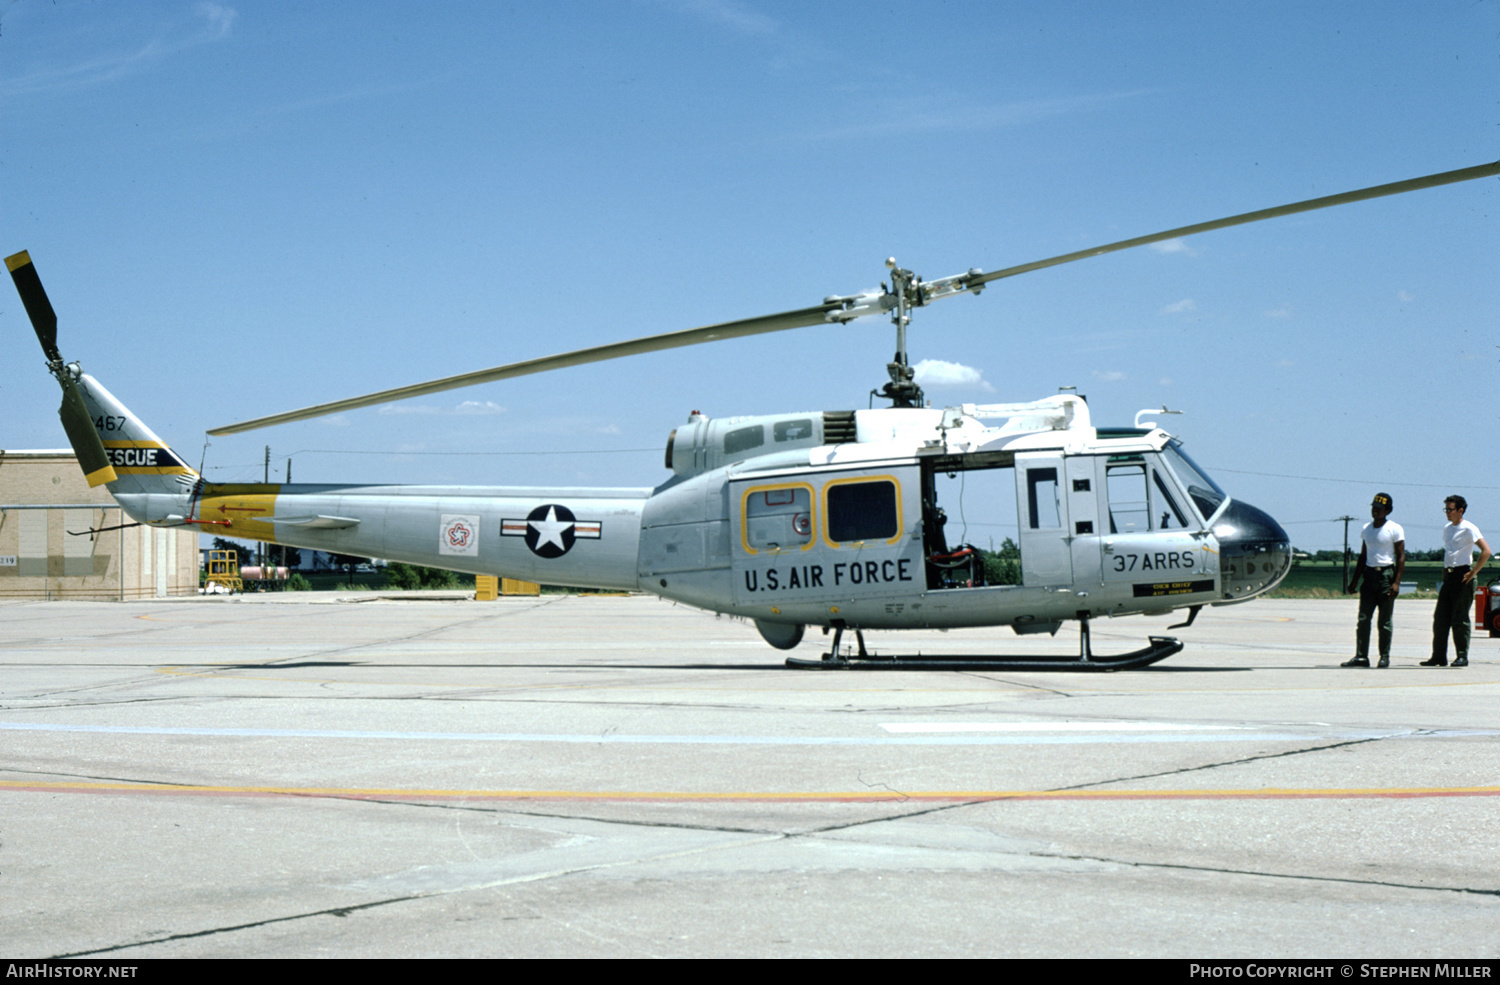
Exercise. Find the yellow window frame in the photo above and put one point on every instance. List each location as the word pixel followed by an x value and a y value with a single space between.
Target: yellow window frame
pixel 900 516
pixel 812 506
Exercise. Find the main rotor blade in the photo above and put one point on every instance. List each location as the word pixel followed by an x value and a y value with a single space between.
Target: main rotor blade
pixel 651 343
pixel 38 308
pixel 1394 188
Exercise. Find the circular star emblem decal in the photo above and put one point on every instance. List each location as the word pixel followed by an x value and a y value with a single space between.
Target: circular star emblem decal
pixel 549 531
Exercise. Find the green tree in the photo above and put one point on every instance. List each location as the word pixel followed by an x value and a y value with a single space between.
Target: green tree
pixel 246 554
pixel 1003 567
pixel 348 562
pixel 411 576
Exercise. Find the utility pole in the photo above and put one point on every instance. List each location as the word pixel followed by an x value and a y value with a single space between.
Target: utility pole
pixel 260 545
pixel 1346 520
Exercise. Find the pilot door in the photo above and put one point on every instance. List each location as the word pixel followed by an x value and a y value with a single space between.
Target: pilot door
pixel 847 536
pixel 1152 541
pixel 1041 501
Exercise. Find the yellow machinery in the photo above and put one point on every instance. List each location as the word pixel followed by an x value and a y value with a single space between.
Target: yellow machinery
pixel 224 569
pixel 487 588
pixel 515 586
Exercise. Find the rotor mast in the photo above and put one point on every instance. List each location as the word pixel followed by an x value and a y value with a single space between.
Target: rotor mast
pixel 906 291
pixel 902 390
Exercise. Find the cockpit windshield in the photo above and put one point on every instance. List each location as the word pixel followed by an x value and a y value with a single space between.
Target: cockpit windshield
pixel 1205 492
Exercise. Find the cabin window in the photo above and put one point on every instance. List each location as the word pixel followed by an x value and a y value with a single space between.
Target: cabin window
pixel 1041 499
pixel 798 430
pixel 863 511
pixel 743 439
pixel 778 518
pixel 1129 509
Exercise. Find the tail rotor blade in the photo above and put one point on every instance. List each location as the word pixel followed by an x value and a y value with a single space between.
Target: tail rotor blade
pixel 38 308
pixel 81 434
pixel 75 416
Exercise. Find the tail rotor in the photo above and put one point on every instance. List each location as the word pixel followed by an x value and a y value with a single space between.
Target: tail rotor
pixel 80 429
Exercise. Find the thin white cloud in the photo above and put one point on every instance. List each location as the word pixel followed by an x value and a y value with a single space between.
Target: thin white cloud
pixel 1177 245
pixel 1108 375
pixel 479 407
pixel 728 13
pixel 468 407
pixel 939 374
pixel 1405 296
pixel 1285 311
pixel 1179 307
pixel 950 115
pixel 219 19
pixel 215 22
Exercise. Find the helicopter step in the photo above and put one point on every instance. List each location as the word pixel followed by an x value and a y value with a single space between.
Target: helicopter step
pixel 1161 647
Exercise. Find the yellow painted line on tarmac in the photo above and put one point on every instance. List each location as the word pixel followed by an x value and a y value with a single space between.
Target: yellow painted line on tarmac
pixel 782 796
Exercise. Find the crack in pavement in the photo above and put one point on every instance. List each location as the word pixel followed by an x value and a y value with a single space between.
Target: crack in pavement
pixel 1023 685
pixel 345 911
pixel 764 837
pixel 1229 762
pixel 1269 875
pixel 105 779
pixel 940 808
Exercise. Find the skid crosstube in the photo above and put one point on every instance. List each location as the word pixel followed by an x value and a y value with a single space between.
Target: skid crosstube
pixel 1161 647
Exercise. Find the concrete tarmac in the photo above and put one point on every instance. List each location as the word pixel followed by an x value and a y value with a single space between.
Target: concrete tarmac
pixel 367 775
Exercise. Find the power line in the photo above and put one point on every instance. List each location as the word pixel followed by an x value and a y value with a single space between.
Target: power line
pixel 346 451
pixel 569 451
pixel 1367 482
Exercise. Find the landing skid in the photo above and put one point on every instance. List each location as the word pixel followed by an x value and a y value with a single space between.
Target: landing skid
pixel 1161 647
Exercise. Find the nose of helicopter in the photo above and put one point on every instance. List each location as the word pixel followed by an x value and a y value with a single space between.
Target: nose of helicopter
pixel 1255 553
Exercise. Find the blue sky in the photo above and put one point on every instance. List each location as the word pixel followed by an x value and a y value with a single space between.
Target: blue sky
pixel 242 208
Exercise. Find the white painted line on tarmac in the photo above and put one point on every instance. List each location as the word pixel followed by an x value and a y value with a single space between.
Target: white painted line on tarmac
pixel 927 727
pixel 940 739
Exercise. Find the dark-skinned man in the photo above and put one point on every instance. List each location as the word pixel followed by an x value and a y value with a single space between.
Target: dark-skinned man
pixel 1382 559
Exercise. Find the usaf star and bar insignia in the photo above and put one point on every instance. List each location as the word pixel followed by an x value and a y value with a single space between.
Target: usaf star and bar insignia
pixel 551 530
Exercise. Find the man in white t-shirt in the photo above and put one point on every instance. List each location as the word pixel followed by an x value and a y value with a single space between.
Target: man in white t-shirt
pixel 1382 558
pixel 1460 537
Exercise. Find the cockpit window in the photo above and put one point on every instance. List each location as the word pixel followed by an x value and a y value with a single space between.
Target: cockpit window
pixel 1129 509
pixel 1205 493
pixel 1171 516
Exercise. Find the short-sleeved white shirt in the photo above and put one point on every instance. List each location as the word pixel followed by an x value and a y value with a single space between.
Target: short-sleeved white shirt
pixel 1458 543
pixel 1380 543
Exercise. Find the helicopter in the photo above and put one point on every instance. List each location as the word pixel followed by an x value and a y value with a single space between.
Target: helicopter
pixel 829 519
